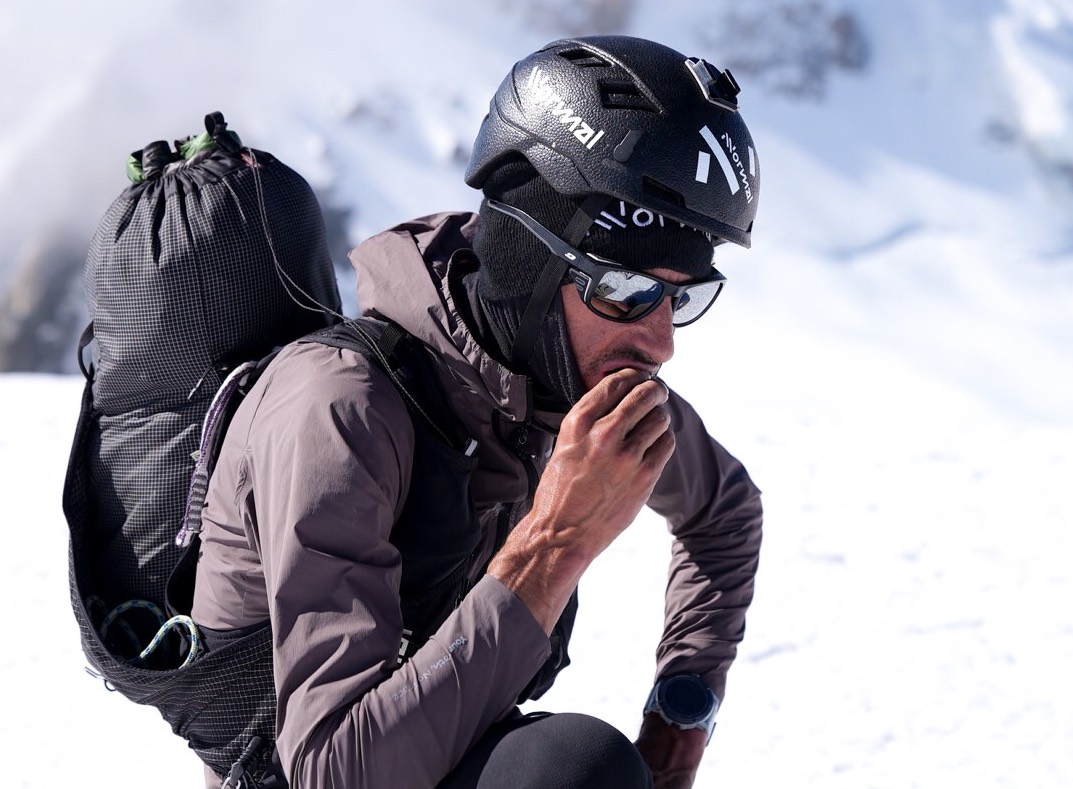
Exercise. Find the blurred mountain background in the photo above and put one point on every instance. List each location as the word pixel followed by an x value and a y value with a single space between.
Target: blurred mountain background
pixel 876 122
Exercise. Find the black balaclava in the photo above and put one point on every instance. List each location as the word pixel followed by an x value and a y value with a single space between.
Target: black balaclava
pixel 511 259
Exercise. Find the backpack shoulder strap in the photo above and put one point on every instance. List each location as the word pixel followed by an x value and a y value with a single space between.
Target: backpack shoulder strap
pixel 218 416
pixel 179 592
pixel 405 361
pixel 391 348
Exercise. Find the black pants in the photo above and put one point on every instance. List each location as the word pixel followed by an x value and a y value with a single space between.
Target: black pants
pixel 545 751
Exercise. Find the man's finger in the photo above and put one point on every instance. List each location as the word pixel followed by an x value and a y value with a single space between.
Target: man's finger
pixel 638 403
pixel 606 396
pixel 648 429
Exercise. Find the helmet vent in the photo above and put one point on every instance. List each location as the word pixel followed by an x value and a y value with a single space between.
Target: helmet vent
pixel 583 58
pixel 661 191
pixel 619 95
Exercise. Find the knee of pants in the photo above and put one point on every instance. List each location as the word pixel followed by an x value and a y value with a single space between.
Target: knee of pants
pixel 574 751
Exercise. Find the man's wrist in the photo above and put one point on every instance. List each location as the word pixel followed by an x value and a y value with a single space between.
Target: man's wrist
pixel 541 574
pixel 673 754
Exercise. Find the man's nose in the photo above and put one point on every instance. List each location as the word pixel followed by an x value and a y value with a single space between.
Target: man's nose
pixel 658 335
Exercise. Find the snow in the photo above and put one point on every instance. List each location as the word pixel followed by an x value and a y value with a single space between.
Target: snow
pixel 891 360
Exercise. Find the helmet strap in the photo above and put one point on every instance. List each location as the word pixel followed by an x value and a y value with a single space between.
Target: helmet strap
pixel 550 279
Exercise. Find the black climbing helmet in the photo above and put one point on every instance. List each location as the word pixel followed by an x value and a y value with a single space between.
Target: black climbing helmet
pixel 632 119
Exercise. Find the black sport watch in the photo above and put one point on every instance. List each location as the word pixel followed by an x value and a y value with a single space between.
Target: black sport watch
pixel 684 701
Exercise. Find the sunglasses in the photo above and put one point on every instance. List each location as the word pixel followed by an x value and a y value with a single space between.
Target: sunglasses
pixel 618 293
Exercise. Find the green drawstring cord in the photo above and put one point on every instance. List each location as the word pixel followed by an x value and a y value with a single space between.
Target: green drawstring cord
pixel 186 150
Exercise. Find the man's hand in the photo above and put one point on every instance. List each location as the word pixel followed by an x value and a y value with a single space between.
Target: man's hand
pixel 671 753
pixel 611 450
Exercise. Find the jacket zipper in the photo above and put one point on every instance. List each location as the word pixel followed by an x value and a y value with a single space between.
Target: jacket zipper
pixel 520 440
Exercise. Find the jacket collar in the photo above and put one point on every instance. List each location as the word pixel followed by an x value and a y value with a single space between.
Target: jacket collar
pixel 403 275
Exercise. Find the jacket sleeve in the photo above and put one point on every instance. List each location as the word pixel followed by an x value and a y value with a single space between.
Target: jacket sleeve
pixel 714 514
pixel 328 455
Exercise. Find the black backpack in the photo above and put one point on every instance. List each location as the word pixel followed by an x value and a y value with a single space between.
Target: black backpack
pixel 198 273
pixel 214 257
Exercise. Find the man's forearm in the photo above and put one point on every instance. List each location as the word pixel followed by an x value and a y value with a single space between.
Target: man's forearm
pixel 541 569
pixel 611 449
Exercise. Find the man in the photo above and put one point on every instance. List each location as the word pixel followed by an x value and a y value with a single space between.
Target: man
pixel 546 317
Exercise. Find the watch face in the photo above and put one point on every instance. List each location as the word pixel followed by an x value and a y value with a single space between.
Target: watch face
pixel 686 699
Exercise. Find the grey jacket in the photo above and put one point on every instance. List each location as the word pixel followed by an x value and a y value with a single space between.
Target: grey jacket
pixel 313 473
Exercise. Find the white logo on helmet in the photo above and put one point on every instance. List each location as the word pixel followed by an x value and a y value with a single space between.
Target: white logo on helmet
pixel 545 94
pixel 730 161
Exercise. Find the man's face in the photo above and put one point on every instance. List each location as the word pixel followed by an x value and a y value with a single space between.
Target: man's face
pixel 602 346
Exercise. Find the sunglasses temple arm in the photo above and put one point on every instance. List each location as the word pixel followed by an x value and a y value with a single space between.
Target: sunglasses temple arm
pixel 553 243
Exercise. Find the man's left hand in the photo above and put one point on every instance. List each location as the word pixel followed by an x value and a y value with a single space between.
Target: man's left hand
pixel 671 753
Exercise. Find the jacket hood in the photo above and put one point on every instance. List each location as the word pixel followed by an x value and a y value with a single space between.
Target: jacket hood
pixel 402 275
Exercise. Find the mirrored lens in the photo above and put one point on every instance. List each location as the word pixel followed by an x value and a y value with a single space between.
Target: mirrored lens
pixel 625 295
pixel 695 301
